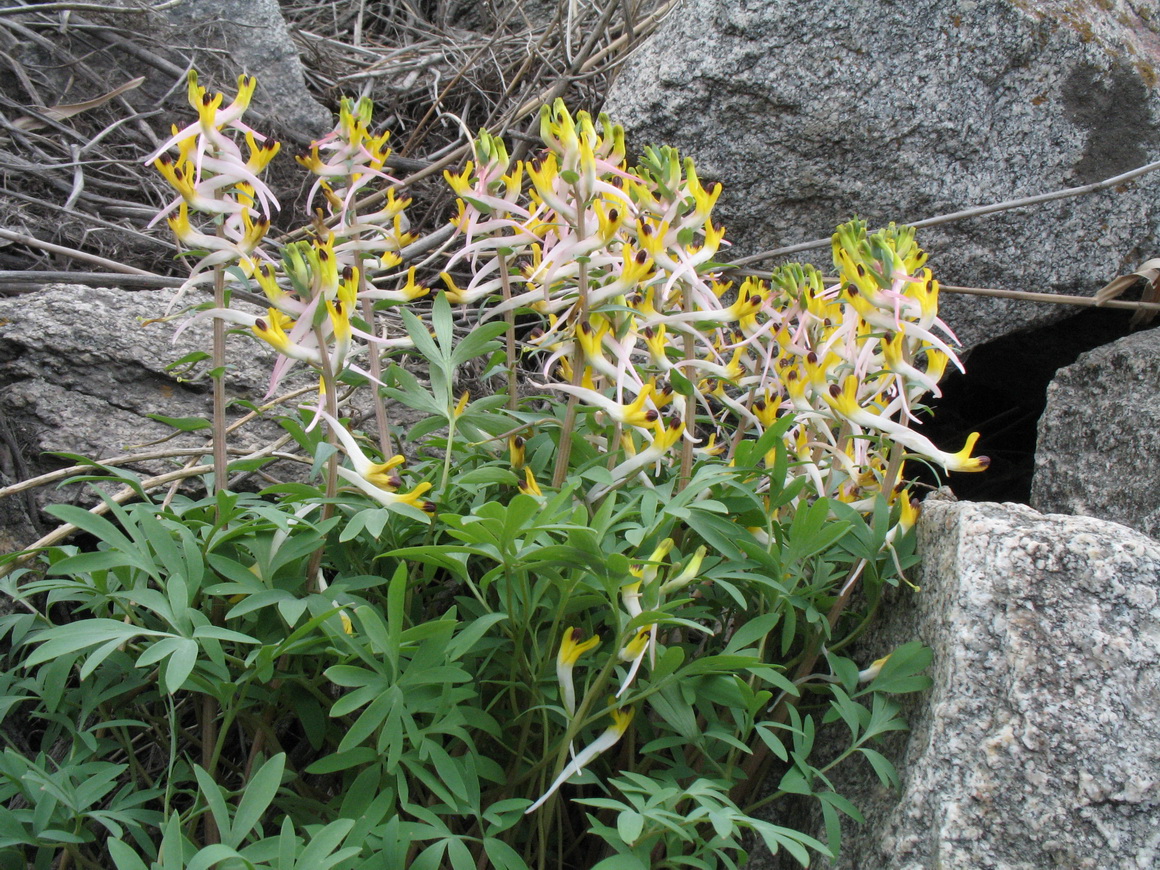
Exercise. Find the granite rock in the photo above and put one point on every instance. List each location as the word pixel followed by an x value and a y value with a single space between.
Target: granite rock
pixel 228 37
pixel 810 113
pixel 1036 746
pixel 80 374
pixel 1100 435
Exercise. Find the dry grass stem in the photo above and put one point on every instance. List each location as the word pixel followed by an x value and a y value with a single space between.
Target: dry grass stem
pixel 976 211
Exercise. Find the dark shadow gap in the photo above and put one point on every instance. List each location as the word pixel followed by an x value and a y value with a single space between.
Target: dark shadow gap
pixel 1003 395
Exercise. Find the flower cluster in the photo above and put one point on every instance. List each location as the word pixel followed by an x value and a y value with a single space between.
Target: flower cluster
pixel 852 361
pixel 671 362
pixel 316 291
pixel 666 361
pixel 212 177
pixel 379 480
pixel 319 302
pixel 345 162
pixel 640 329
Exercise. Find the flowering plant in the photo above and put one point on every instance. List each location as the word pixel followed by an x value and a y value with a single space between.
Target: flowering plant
pixel 612 600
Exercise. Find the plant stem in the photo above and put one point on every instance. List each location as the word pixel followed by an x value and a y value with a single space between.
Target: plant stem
pixel 890 478
pixel 565 452
pixel 209 709
pixel 510 318
pixel 219 378
pixel 689 351
pixel 375 368
pixel 330 386
pixel 447 453
pixel 209 734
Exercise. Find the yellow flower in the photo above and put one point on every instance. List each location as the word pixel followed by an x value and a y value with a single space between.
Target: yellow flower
pixel 273 331
pixel 865 676
pixel 621 719
pixel 455 295
pixel 528 484
pixel 632 414
pixel 571 648
pixel 461 405
pixel 461 183
pixel 636 647
pixel 687 574
pixel 414 498
pixel 378 474
pixel 261 153
pixel 634 652
pixel 517 448
pixel 910 510
pixel 406 293
pixel 844 400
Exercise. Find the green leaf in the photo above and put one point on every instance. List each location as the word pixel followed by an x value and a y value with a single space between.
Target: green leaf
pixel 479 342
pixel 794 782
pixel 444 326
pixel 842 804
pixel 882 766
pixel 813 530
pixel 180 664
pixel 97 656
pixel 770 739
pixel 668 662
pixel 124 856
pixel 846 670
pixel 223 634
pixel 621 862
pixel 258 600
pixel 188 361
pixel 851 712
pixel 257 797
pixel 320 853
pixel 471 635
pixel 88 563
pixel 719 533
pixel 287 845
pixel 379 714
pixel 902 671
pixel 794 842
pixel 752 631
pixel 503 856
pixel 681 385
pixel 486 476
pixel 630 825
pixel 214 799
pixel 452 774
pixel 396 601
pixel 211 855
pixel 67 639
pixel 832 823
pixel 97 526
pixel 342 760
pixel 672 708
pixel 182 424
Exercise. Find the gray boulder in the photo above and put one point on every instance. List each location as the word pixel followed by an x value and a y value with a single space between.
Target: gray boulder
pixel 228 37
pixel 80 374
pixel 254 34
pixel 810 113
pixel 1036 746
pixel 1099 437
